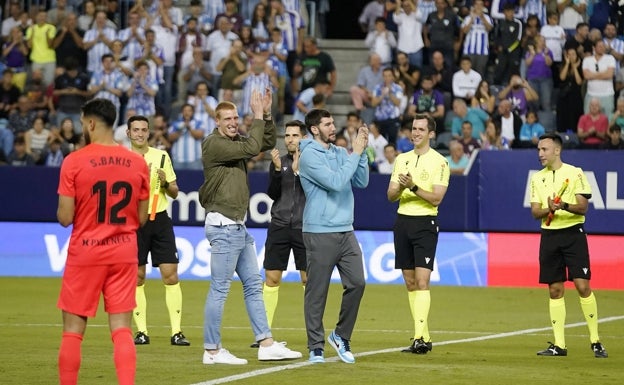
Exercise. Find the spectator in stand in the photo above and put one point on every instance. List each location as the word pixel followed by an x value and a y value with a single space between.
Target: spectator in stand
pixel 509 122
pixel 570 99
pixel 531 131
pixel 441 32
pixel 231 67
pixel 409 21
pixel 406 74
pixel 493 139
pixel 386 98
pixel 498 9
pixel 580 40
pixel 368 78
pixel 219 43
pixel 277 56
pixel 390 154
pixel 429 101
pixel 520 93
pixel 142 91
pixel 555 39
pixel 15 56
pixel 56 15
pixel 71 91
pixel 212 8
pixel 98 41
pixel 349 132
pixel 475 29
pixel 260 22
pixel 204 105
pixel 466 80
pixel 121 62
pixel 531 31
pixel 85 19
pixel 186 135
pixel 250 44
pixel 316 65
pixel 22 118
pixel 593 126
pixel 39 38
pixel 189 40
pixel 19 156
pixel 160 139
pixel 538 61
pixel 69 41
pixel 476 116
pixel 304 100
pixel 536 8
pixel 468 142
pixel 507 34
pixel 293 29
pixel 457 159
pixel 381 41
pixel 370 13
pixel 108 83
pixel 599 70
pixel 196 72
pixel 613 45
pixel 67 135
pixel 163 46
pixel 54 155
pixel 196 10
pixel 132 37
pixel 12 20
pixel 483 99
pixel 36 139
pixel 617 118
pixel 231 13
pixel 259 76
pixel 614 139
pixel 404 142
pixel 35 90
pixel 376 145
pixel 571 13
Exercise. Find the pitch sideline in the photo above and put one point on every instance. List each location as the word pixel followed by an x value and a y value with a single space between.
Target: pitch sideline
pixel 296 365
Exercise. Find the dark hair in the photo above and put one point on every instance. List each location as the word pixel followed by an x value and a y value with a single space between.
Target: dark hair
pixel 427 77
pixel 380 19
pixel 554 137
pixel 467 122
pixel 297 123
pixel 314 117
pixel 581 25
pixel 137 118
pixel 318 98
pixel 615 128
pixel 391 145
pixel 101 109
pixel 465 58
pixel 431 124
pixel 70 63
pixel 353 113
pixel 106 56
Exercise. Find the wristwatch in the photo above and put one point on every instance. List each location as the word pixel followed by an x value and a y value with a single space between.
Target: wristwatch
pixel 565 206
pixel 414 189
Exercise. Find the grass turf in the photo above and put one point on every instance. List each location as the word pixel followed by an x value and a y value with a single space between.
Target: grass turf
pixel 31 331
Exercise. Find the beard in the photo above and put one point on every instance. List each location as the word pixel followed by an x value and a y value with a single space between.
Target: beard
pixel 331 138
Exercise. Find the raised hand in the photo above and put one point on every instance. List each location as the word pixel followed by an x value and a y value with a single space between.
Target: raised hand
pixel 295 164
pixel 267 100
pixel 361 141
pixel 256 104
pixel 275 157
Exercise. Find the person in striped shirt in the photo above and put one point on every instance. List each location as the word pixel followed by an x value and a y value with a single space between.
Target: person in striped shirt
pixel 108 83
pixel 97 42
pixel 186 134
pixel 258 77
pixel 476 28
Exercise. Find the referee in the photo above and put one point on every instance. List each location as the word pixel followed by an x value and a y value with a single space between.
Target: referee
pixel 419 181
pixel 563 253
pixel 157 236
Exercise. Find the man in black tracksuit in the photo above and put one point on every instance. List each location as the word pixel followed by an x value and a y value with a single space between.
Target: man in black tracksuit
pixel 508 36
pixel 284 232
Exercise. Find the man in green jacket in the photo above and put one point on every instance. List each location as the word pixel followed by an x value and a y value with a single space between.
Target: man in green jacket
pixel 225 196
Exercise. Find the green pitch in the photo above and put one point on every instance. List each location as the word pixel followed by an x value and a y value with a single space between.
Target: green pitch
pixel 480 336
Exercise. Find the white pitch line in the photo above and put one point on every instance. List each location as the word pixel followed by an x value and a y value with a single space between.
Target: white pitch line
pixel 274 369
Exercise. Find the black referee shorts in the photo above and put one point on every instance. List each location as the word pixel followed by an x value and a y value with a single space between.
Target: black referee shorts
pixel 415 241
pixel 280 240
pixel 564 255
pixel 157 237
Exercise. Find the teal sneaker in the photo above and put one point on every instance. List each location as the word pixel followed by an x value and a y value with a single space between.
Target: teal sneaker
pixel 316 356
pixel 342 347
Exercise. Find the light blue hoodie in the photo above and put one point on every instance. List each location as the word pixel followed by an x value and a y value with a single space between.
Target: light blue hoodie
pixel 327 177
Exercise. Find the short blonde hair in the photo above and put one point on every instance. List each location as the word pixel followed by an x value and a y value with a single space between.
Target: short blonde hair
pixel 224 106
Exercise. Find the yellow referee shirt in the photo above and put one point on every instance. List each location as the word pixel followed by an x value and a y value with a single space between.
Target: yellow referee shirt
pixel 546 183
pixel 153 157
pixel 426 170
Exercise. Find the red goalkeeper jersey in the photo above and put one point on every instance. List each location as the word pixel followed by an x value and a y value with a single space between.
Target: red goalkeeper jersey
pixel 107 183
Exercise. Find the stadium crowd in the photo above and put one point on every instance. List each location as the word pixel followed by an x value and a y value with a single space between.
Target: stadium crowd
pixel 493 74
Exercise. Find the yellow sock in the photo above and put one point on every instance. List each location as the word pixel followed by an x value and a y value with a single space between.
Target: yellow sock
pixel 270 295
pixel 557 318
pixel 422 303
pixel 140 312
pixel 590 310
pixel 411 297
pixel 173 299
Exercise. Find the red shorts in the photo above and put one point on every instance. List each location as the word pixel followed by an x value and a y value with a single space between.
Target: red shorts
pixel 82 286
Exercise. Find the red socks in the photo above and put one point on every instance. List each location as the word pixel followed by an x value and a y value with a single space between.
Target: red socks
pixel 124 356
pixel 69 358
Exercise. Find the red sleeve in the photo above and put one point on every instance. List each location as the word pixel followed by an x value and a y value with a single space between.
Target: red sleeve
pixel 66 181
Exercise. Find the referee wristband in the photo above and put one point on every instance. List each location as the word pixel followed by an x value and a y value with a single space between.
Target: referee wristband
pixel 565 206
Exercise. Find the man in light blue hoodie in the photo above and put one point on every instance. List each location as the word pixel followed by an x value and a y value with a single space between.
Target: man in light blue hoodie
pixel 327 174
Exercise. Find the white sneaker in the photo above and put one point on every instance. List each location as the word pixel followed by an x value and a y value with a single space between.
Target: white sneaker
pixel 277 352
pixel 222 357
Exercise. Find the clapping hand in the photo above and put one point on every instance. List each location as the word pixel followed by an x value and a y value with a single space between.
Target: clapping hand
pixel 361 140
pixel 257 104
pixel 267 101
pixel 275 157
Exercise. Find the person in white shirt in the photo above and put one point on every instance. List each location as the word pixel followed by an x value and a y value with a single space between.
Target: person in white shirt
pixel 466 80
pixel 409 21
pixel 599 70
pixel 555 39
pixel 377 142
pixel 390 153
pixel 218 43
pixel 571 12
pixel 381 41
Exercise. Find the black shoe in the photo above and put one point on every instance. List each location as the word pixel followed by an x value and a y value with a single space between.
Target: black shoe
pixel 419 346
pixel 599 350
pixel 255 345
pixel 141 339
pixel 178 339
pixel 553 351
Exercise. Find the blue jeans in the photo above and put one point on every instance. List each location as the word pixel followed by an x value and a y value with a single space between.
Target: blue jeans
pixel 416 58
pixel 233 250
pixel 543 87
